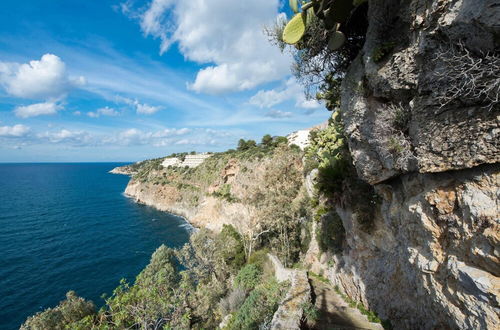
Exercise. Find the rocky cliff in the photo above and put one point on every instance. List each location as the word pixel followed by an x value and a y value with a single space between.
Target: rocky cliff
pixel 421 111
pixel 242 189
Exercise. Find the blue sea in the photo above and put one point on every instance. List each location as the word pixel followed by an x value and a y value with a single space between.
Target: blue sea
pixel 69 227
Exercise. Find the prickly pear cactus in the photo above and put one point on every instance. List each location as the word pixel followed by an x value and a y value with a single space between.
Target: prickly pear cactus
pixel 332 12
pixel 295 29
pixel 336 40
pixel 294 4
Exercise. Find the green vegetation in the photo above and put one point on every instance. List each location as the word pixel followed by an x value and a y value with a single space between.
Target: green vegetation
pixel 245 145
pixel 319 277
pixel 372 316
pixel 329 154
pixel 325 37
pixel 337 181
pixel 224 192
pixel 248 277
pixel 311 312
pixel 179 289
pixel 259 306
pixel 331 13
pixel 69 313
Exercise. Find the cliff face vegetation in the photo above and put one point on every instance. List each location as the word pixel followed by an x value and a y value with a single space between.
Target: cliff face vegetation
pixel 258 190
pixel 422 125
pixel 395 202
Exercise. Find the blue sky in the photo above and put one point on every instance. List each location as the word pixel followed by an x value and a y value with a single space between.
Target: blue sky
pixel 115 80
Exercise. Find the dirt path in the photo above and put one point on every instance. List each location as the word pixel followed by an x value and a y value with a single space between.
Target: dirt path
pixel 335 313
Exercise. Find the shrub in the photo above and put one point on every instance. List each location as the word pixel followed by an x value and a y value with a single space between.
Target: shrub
pixel 71 310
pixel 235 255
pixel 259 306
pixel 311 312
pixel 224 192
pixel 248 277
pixel 259 258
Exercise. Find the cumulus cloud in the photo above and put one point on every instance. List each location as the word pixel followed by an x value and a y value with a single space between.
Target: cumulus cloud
pixel 77 138
pixel 146 109
pixel 140 108
pixel 37 109
pixel 14 131
pixel 106 111
pixel 290 91
pixel 164 137
pixel 278 114
pixel 39 79
pixel 172 136
pixel 226 34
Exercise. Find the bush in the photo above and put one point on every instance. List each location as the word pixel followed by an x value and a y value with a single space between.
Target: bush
pixel 235 256
pixel 224 192
pixel 259 258
pixel 311 312
pixel 259 306
pixel 71 310
pixel 248 277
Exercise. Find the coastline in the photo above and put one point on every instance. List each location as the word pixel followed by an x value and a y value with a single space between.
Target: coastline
pixel 191 226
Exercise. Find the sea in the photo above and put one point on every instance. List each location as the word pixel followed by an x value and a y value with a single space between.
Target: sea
pixel 70 227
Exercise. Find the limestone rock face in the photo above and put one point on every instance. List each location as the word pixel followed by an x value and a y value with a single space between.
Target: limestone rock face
pixel 433 259
pixel 422 118
pixel 433 54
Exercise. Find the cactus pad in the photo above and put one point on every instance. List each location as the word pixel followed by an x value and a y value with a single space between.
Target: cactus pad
pixel 295 29
pixel 294 5
pixel 336 40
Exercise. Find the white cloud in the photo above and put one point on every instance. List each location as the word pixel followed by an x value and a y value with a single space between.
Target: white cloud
pixel 14 131
pixel 106 111
pixel 292 90
pixel 153 22
pixel 140 108
pixel 278 114
pixel 226 34
pixel 147 109
pixel 171 136
pixel 39 79
pixel 71 137
pixel 37 109
pixel 171 132
pixel 160 138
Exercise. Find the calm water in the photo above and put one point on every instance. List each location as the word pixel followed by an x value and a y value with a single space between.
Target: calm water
pixel 68 227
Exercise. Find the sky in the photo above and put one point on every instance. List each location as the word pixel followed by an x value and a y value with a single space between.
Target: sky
pixel 127 80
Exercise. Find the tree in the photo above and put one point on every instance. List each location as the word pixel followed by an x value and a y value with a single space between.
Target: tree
pixel 245 145
pixel 267 140
pixel 242 145
pixel 280 140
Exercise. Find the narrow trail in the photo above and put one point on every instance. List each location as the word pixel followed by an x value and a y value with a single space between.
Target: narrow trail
pixel 334 312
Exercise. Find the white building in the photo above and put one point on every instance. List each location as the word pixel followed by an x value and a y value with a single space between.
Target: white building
pixel 300 138
pixel 189 160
